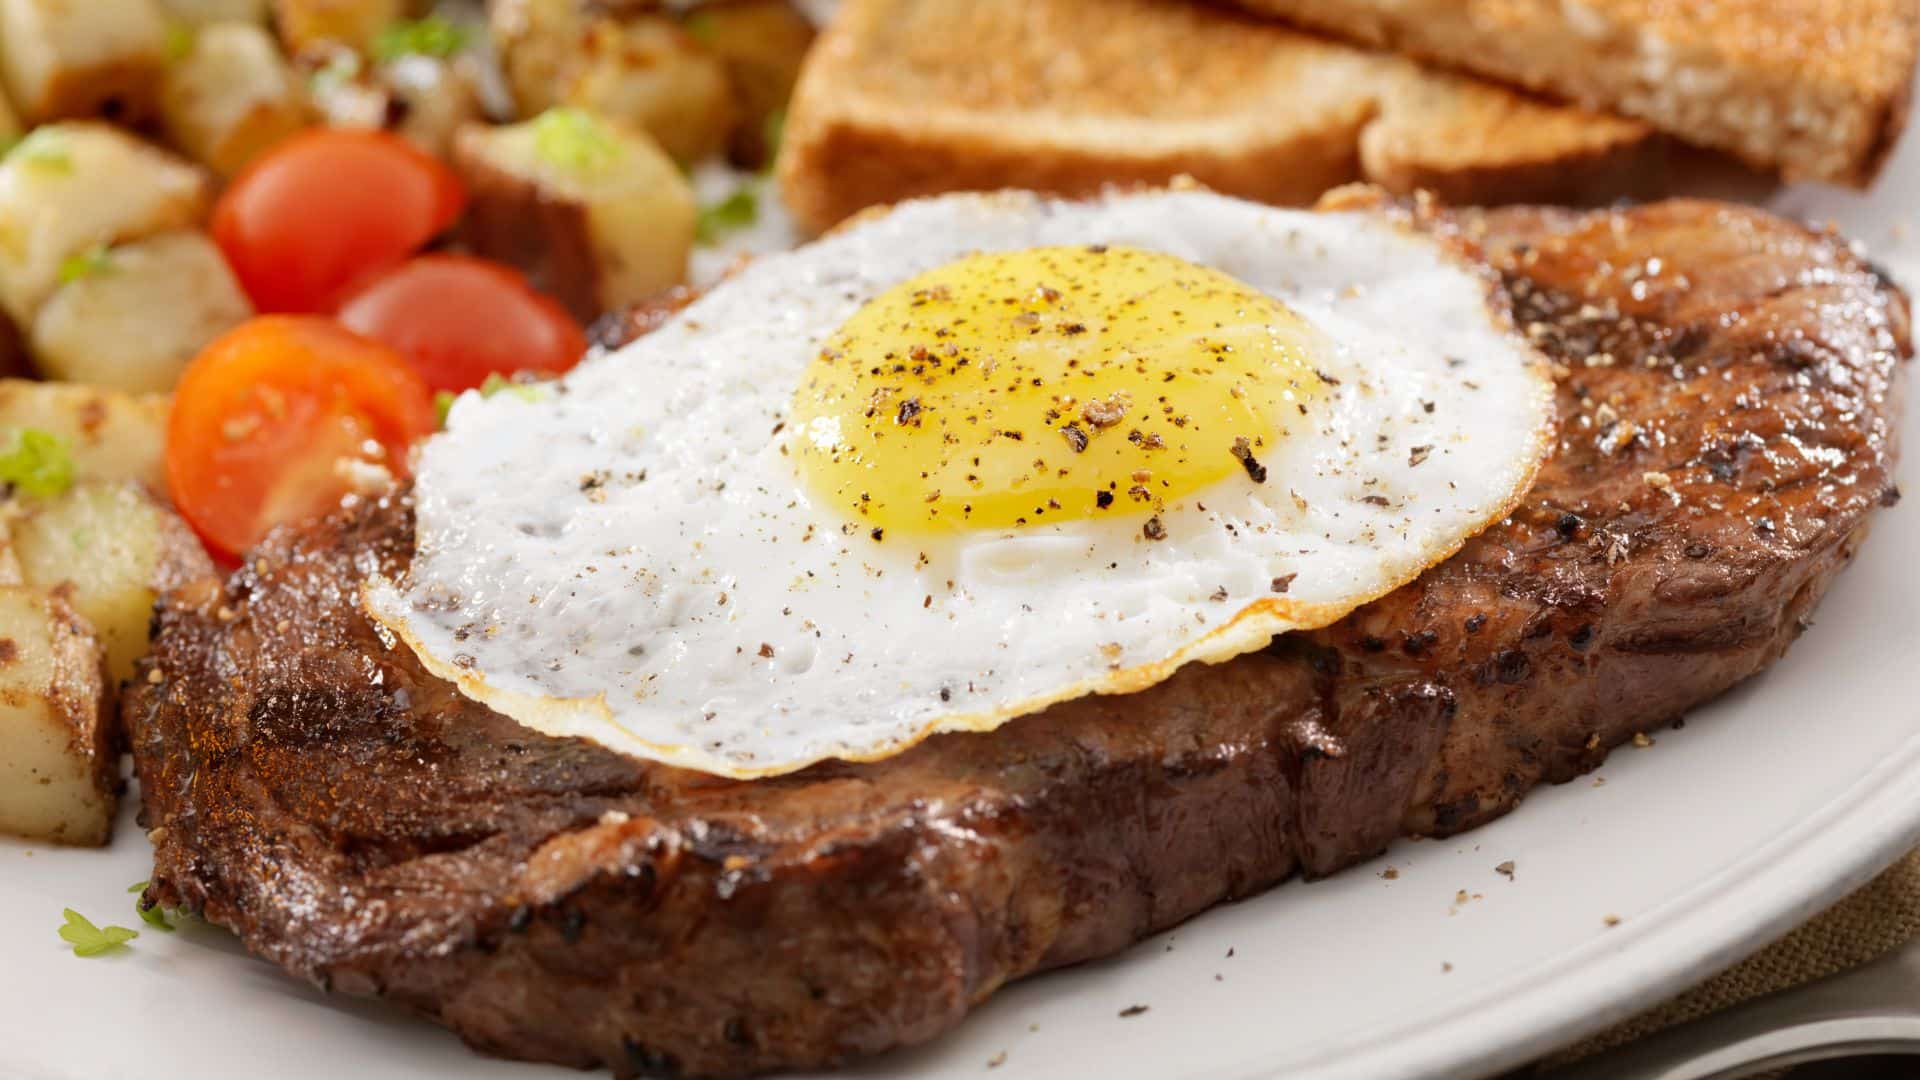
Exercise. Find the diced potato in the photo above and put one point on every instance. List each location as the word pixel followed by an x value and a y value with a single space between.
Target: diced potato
pixel 58 770
pixel 351 22
pixel 643 70
pixel 74 187
pixel 78 58
pixel 535 41
pixel 207 12
pixel 762 43
pixel 230 97
pixel 595 214
pixel 421 98
pixel 134 321
pixel 113 547
pixel 113 436
pixel 651 74
pixel 434 99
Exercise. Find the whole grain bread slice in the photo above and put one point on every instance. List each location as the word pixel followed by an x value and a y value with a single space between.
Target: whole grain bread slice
pixel 914 97
pixel 1817 89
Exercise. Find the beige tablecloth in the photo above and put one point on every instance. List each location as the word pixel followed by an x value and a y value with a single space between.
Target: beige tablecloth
pixel 1880 917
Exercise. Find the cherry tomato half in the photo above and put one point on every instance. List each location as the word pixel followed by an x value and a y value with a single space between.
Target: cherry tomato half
pixel 327 209
pixel 460 319
pixel 271 421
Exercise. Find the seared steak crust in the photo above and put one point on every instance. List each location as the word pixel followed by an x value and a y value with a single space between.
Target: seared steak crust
pixel 1728 399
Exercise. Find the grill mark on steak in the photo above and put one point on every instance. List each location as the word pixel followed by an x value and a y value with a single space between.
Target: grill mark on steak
pixel 361 824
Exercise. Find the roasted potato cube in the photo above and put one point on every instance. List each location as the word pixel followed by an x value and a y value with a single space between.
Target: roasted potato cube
pixel 434 99
pixel 424 99
pixel 594 213
pixel 649 73
pixel 350 22
pixel 63 58
pixel 230 97
pixel 59 774
pixel 73 188
pixel 762 43
pixel 535 41
pixel 132 318
pixel 208 12
pixel 112 547
pixel 646 71
pixel 112 436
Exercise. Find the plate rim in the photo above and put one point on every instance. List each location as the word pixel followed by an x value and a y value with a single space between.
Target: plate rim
pixel 1687 938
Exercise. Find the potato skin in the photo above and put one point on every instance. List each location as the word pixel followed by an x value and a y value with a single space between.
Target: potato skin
pixel 59 756
pixel 63 59
pixel 510 219
pixel 596 242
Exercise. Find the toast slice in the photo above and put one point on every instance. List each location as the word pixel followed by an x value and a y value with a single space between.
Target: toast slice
pixel 1815 89
pixel 903 98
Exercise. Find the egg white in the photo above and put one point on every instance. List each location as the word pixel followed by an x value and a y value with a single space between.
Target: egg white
pixel 628 555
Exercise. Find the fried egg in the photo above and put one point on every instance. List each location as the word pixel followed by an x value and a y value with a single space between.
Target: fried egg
pixel 960 461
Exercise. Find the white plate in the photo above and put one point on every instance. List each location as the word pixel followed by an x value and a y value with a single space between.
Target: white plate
pixel 1769 804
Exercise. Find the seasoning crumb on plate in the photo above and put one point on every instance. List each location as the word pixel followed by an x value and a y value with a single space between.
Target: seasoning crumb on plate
pixel 1132 1011
pixel 1505 869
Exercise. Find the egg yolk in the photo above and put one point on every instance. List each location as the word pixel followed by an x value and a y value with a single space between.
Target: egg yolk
pixel 1023 387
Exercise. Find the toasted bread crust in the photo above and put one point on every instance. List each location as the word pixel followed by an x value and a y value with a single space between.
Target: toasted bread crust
pixel 888 108
pixel 1815 89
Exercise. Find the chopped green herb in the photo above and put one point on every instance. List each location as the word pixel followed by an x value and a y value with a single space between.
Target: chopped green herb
pixel 774 130
pixel 341 69
pixel 433 36
pixel 736 211
pixel 37 463
pixel 43 149
pixel 179 41
pixel 497 382
pixel 574 140
pixel 90 940
pixel 139 886
pixel 95 260
pixel 153 917
pixel 700 26
pixel 442 405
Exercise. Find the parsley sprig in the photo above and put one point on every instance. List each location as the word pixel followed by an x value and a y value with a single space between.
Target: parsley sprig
pixel 434 36
pixel 152 916
pixel 95 260
pixel 43 149
pixel 38 463
pixel 574 140
pixel 90 940
pixel 736 211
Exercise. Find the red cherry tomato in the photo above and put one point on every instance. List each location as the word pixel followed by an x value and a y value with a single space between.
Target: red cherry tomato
pixel 460 319
pixel 272 421
pixel 328 208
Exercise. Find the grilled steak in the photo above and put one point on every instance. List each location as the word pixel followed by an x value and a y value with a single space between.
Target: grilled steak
pixel 1728 400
